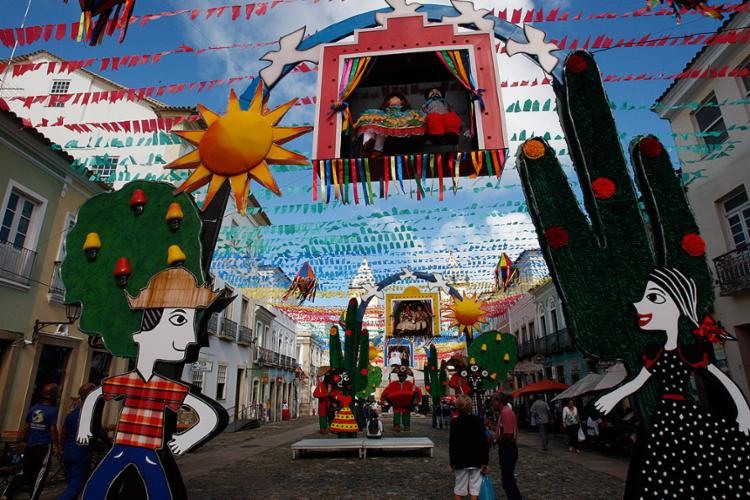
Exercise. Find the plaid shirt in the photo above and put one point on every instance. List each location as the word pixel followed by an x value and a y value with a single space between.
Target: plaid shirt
pixel 142 419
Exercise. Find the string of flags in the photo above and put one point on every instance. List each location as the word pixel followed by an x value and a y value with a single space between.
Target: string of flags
pixel 334 177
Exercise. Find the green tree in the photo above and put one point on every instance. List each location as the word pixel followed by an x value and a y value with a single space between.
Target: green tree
pixel 143 239
pixel 600 260
pixel 495 352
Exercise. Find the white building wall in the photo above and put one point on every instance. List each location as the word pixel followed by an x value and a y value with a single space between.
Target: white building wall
pixel 138 161
pixel 711 181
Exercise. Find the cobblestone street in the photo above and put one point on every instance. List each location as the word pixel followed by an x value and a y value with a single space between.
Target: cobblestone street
pixel 257 463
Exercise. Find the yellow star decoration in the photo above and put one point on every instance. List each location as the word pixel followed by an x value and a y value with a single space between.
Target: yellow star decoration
pixel 467 313
pixel 238 146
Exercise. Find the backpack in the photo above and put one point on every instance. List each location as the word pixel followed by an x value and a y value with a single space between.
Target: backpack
pixel 372 426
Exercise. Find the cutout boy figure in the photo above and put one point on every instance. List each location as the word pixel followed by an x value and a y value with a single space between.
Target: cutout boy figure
pixel 169 303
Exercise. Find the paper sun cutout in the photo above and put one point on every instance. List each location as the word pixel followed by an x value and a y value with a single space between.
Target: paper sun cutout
pixel 238 146
pixel 467 313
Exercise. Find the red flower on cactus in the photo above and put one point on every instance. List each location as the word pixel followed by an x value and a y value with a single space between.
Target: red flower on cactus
pixel 693 244
pixel 603 188
pixel 363 372
pixel 348 333
pixel 557 236
pixel 651 147
pixel 576 64
pixel 427 388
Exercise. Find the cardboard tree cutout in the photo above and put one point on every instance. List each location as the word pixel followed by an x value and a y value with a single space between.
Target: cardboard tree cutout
pixel 600 270
pixel 497 353
pixel 169 303
pixel 118 267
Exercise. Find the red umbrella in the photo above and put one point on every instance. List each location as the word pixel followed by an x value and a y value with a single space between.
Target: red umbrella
pixel 541 386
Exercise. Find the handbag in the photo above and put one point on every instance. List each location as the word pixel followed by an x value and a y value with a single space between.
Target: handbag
pixel 581 435
pixel 487 491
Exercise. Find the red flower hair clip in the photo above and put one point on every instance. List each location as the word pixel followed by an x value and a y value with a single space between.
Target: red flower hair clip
pixel 712 332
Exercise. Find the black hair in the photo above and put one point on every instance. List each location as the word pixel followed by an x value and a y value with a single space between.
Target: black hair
pixel 151 318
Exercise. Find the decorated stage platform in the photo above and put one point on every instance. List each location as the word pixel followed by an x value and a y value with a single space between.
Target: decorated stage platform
pixel 361 445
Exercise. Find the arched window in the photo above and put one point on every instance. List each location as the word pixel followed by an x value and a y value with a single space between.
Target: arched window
pixel 541 320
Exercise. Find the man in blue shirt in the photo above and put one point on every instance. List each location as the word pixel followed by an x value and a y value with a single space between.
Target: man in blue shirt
pixel 41 432
pixel 76 458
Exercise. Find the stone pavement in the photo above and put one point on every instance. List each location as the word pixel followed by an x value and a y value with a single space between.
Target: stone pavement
pixel 257 463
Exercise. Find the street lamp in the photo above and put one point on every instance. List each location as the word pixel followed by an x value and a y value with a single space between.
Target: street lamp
pixel 72 312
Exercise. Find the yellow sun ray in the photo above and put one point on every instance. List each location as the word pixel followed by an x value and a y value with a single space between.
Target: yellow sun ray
pixel 238 146
pixel 281 156
pixel 190 160
pixel 240 186
pixel 256 105
pixel 286 134
pixel 208 116
pixel 275 115
pixel 216 182
pixel 234 104
pixel 262 174
pixel 197 179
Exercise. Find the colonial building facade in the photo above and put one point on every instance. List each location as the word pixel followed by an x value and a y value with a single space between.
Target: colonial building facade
pixel 713 143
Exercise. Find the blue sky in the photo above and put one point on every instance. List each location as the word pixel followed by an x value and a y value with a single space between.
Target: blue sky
pixel 473 225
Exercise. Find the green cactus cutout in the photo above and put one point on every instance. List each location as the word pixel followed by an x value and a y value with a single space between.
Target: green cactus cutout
pixel 600 263
pixel 497 353
pixel 434 376
pixel 143 239
pixel 354 359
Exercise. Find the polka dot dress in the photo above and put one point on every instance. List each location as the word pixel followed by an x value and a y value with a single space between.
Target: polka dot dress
pixel 691 453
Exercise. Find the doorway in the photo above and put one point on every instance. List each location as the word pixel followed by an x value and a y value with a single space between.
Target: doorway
pixel 238 411
pixel 53 362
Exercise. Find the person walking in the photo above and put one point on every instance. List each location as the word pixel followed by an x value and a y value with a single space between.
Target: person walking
pixel 41 444
pixel 540 415
pixel 468 450
pixel 571 423
pixel 76 458
pixel 506 435
pixel 445 410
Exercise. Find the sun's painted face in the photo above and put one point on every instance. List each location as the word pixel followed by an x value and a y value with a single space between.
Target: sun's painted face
pixel 656 310
pixel 238 146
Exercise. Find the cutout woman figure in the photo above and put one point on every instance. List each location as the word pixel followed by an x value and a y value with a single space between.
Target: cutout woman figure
pixel 394 118
pixel 690 451
pixel 169 303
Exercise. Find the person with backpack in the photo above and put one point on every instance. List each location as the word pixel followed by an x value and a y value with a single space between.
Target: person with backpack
pixel 374 427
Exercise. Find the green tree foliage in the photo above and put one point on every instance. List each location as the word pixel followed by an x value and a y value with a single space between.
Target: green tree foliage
pixel 600 260
pixel 143 239
pixel 495 352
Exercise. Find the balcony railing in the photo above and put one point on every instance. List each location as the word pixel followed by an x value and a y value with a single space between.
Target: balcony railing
pixel 245 335
pixel 213 324
pixel 56 287
pixel 554 343
pixel 228 329
pixel 733 271
pixel 265 356
pixel 16 263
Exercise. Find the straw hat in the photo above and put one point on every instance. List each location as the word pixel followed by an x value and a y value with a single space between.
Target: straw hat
pixel 173 287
